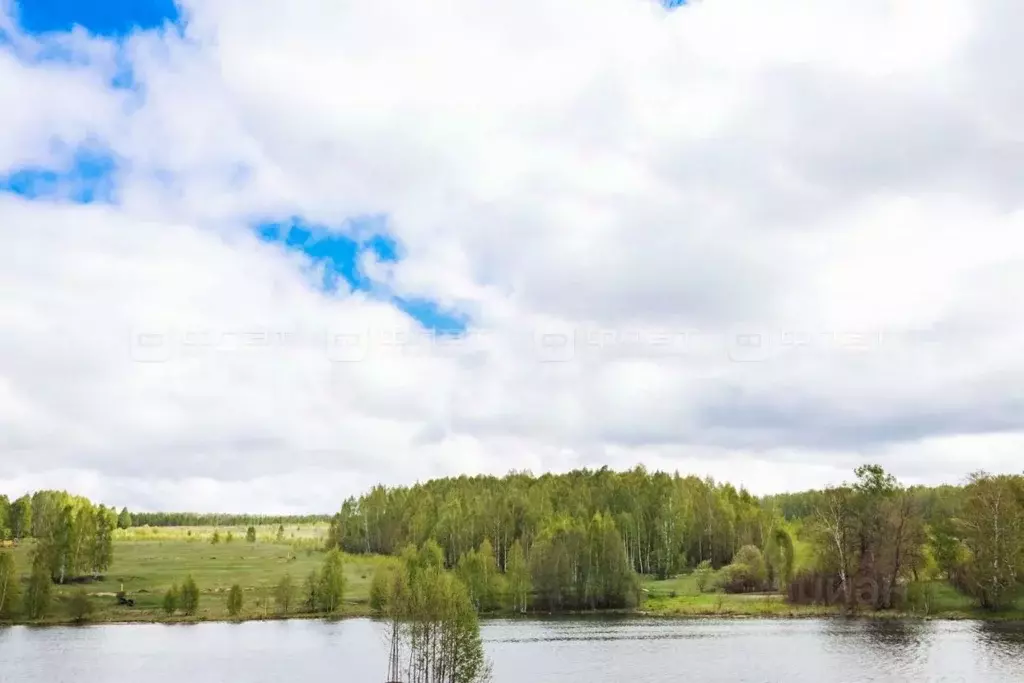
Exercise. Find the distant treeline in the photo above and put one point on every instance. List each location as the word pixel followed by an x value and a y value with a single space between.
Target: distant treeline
pixel 212 519
pixel 583 534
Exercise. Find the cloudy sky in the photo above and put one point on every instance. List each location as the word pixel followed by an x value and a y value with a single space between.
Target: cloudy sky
pixel 261 255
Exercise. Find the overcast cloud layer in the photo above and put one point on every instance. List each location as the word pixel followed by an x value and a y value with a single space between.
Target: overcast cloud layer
pixel 843 179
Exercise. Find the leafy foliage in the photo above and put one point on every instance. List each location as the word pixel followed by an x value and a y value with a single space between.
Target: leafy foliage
pixel 171 599
pixel 10 590
pixel 189 596
pixel 235 599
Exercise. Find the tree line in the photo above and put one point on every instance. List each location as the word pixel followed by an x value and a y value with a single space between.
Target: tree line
pixel 164 519
pixel 578 540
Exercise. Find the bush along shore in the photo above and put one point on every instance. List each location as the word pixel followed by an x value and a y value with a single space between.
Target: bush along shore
pixel 584 542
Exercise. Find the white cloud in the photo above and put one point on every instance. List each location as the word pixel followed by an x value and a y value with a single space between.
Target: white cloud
pixel 846 173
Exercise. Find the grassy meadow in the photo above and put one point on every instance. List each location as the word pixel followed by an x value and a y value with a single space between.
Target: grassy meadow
pixel 147 561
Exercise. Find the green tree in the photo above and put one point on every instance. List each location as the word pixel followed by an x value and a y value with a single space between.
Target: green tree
pixel 434 634
pixel 102 547
pixel 747 572
pixel 189 596
pixel 171 599
pixel 215 539
pixel 9 585
pixel 382 584
pixel 703 574
pixel 280 533
pixel 235 600
pixel 993 532
pixel 5 518
pixel 38 595
pixel 79 606
pixel 331 592
pixel 250 534
pixel 124 519
pixel 479 572
pixel 21 518
pixel 779 557
pixel 229 537
pixel 311 590
pixel 517 573
pixel 283 594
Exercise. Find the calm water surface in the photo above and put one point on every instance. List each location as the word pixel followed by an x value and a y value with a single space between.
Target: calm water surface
pixel 556 651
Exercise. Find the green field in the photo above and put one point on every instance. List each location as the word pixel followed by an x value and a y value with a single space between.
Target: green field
pixel 148 561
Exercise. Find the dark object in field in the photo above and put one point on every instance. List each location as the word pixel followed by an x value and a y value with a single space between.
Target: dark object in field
pixel 122 599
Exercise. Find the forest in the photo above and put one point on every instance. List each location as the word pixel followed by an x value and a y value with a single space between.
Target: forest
pixel 579 540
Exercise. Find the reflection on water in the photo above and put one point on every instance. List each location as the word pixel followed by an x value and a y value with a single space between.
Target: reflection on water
pixel 534 651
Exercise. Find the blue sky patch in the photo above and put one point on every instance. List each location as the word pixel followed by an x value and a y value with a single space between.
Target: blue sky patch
pixel 109 18
pixel 88 178
pixel 339 255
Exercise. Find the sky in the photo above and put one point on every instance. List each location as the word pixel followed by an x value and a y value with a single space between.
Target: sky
pixel 259 256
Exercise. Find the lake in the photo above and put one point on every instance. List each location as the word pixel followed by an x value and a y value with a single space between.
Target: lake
pixel 527 651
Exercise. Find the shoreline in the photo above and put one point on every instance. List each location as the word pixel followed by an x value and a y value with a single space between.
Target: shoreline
pixel 829 614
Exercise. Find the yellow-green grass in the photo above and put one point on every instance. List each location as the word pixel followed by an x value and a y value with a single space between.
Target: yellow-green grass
pixel 145 569
pixel 264 533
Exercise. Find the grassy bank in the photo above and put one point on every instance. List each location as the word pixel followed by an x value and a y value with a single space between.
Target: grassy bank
pixel 680 597
pixel 148 561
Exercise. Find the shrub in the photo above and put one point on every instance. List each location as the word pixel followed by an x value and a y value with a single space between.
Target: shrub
pixel 79 606
pixel 235 600
pixel 747 572
pixel 170 603
pixel 312 592
pixel 283 593
pixel 189 596
pixel 703 574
